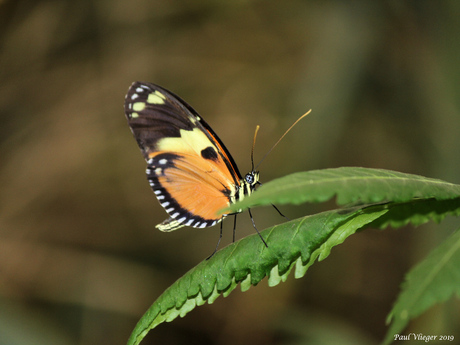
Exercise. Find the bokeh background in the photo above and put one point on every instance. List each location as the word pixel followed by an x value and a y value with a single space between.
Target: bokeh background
pixel 80 259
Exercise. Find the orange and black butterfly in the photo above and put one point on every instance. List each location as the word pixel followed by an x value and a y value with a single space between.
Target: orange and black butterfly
pixel 189 169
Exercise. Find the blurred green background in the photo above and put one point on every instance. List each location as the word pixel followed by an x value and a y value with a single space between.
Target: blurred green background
pixel 80 259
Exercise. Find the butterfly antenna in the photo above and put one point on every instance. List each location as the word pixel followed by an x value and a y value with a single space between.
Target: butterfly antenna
pixel 253 145
pixel 300 118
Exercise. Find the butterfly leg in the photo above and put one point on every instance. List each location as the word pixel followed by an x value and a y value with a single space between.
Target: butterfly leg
pixel 282 215
pixel 276 208
pixel 254 225
pixel 234 227
pixel 218 241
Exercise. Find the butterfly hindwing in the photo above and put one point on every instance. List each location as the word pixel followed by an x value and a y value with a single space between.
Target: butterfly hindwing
pixel 191 195
pixel 189 169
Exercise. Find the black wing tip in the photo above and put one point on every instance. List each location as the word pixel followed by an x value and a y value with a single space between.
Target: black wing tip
pixel 146 84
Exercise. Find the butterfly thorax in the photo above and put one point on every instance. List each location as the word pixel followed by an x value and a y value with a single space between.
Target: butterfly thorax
pixel 246 186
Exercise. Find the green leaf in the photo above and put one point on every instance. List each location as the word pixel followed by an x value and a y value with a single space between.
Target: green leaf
pixel 350 185
pixel 397 199
pixel 417 212
pixel 434 280
pixel 295 244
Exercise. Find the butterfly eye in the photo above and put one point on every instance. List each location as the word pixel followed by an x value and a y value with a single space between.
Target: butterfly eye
pixel 249 178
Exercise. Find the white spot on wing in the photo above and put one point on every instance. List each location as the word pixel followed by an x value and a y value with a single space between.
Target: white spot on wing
pixel 163 161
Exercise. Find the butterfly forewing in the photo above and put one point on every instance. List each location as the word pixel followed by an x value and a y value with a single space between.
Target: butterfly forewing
pixel 189 169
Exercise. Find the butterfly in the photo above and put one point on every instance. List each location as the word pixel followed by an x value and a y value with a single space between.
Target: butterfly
pixel 190 170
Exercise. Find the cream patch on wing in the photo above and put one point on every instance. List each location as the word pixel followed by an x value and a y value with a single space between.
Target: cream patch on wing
pixel 156 98
pixel 189 142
